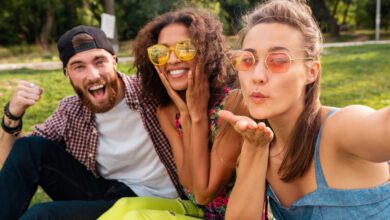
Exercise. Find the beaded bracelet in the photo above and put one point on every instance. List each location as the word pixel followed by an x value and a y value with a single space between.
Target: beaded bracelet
pixel 14 131
pixel 9 114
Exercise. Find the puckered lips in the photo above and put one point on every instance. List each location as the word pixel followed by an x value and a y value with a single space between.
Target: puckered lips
pixel 98 92
pixel 258 97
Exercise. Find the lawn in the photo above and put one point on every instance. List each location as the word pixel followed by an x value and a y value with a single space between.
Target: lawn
pixel 351 75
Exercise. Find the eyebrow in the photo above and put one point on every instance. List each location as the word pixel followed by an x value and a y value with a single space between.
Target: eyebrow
pixel 80 62
pixel 272 49
pixel 278 48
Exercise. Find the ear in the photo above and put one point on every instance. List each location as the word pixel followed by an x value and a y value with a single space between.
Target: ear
pixel 115 59
pixel 313 71
pixel 66 72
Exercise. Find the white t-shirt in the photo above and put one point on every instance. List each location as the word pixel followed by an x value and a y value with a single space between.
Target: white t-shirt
pixel 126 153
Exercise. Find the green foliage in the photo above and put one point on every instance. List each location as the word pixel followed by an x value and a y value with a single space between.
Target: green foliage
pixel 365 16
pixel 22 21
pixel 133 14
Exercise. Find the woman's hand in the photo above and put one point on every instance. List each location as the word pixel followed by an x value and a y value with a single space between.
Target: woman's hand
pixel 177 100
pixel 198 93
pixel 257 134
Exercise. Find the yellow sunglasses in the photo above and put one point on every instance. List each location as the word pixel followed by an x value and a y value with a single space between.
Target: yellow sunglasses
pixel 159 53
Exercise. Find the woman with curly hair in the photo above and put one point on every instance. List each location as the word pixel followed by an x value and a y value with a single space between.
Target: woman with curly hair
pixel 182 60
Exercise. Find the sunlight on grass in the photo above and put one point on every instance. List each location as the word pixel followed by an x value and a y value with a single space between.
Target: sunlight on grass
pixel 356 75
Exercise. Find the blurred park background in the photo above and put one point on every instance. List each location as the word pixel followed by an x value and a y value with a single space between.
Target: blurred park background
pixel 29 30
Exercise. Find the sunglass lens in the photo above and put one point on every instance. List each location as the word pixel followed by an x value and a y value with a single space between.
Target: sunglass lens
pixel 243 61
pixel 185 50
pixel 278 62
pixel 158 54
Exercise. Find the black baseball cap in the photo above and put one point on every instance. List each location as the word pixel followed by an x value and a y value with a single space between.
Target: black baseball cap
pixel 66 49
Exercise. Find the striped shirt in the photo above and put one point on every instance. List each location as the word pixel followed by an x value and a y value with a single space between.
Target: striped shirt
pixel 75 125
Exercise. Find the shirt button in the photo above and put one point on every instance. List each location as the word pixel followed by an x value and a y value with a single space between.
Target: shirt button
pixel 94 131
pixel 90 155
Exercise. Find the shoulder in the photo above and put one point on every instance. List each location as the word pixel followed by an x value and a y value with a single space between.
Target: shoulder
pixel 340 126
pixel 344 115
pixel 167 116
pixel 70 104
pixel 134 90
pixel 132 83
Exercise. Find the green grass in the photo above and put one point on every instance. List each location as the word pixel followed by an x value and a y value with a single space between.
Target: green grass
pixel 356 75
pixel 351 75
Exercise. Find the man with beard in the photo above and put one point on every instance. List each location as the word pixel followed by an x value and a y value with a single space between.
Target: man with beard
pixel 101 145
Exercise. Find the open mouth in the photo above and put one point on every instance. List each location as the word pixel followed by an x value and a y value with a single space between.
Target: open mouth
pixel 177 72
pixel 97 91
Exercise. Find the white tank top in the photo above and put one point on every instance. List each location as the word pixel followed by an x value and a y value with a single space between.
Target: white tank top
pixel 126 153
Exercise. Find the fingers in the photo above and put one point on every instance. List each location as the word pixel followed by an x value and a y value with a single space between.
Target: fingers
pixel 25 95
pixel 257 133
pixel 28 87
pixel 164 81
pixel 190 80
pixel 172 93
pixel 228 116
pixel 265 132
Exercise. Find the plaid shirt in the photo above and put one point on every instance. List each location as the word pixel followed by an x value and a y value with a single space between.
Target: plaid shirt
pixel 75 125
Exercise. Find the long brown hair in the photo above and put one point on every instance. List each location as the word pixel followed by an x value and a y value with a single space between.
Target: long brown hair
pixel 205 31
pixel 301 144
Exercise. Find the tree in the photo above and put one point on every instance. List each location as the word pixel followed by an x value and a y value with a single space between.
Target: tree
pixel 322 13
pixel 109 8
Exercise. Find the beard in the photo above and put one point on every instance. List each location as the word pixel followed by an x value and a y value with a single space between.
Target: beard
pixel 111 88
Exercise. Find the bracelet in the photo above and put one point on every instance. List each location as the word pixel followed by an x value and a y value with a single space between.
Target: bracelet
pixel 14 131
pixel 9 114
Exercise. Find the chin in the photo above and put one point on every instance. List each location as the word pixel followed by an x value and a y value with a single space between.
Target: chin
pixel 179 87
pixel 257 113
pixel 102 108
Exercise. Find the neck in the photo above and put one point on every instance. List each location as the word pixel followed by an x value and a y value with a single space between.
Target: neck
pixel 121 90
pixel 283 125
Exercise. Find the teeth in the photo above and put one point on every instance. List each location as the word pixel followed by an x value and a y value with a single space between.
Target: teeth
pixel 176 72
pixel 93 88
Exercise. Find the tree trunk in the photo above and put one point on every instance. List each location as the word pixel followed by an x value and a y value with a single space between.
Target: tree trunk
pixel 346 14
pixel 109 8
pixel 46 29
pixel 335 8
pixel 331 22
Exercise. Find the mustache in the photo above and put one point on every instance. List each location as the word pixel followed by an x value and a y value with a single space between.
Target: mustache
pixel 90 83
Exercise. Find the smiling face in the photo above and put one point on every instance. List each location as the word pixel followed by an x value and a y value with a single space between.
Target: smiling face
pixel 93 76
pixel 269 94
pixel 175 70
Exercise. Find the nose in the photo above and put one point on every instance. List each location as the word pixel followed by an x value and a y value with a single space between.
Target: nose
pixel 260 73
pixel 93 73
pixel 172 57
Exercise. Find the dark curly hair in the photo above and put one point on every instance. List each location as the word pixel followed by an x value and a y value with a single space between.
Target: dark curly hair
pixel 205 31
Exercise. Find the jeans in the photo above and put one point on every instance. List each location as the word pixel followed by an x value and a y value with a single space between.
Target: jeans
pixel 75 191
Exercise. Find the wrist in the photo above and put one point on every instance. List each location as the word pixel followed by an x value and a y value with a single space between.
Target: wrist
pixel 13 127
pixel 252 150
pixel 196 118
pixel 10 115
